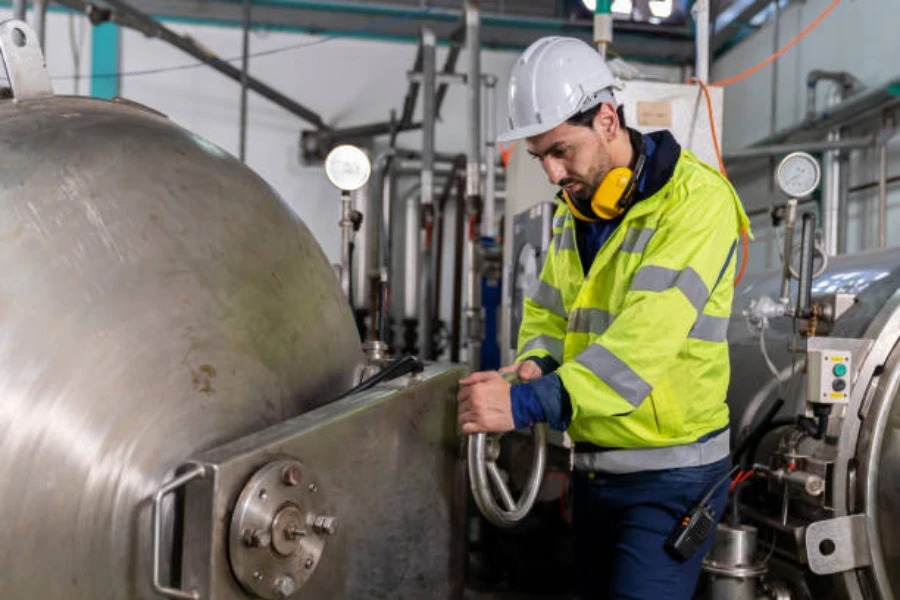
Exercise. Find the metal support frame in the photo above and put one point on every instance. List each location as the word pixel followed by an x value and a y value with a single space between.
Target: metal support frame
pixel 490 154
pixel 778 149
pixel 245 73
pixel 474 316
pixel 429 117
pixel 701 21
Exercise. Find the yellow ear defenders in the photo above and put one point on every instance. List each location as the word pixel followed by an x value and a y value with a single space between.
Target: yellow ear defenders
pixel 614 194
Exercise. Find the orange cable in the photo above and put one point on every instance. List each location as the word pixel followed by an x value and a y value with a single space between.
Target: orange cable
pixel 785 48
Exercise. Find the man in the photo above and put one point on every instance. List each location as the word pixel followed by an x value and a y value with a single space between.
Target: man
pixel 622 342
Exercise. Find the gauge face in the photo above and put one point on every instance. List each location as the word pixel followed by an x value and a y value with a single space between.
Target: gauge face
pixel 798 175
pixel 348 168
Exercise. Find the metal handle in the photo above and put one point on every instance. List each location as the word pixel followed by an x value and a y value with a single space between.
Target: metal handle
pixel 482 457
pixel 194 473
pixel 482 464
pixel 21 52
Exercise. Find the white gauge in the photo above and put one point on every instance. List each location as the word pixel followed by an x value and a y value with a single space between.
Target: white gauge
pixel 348 168
pixel 798 175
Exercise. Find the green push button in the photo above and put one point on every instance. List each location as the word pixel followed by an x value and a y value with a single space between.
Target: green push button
pixel 840 369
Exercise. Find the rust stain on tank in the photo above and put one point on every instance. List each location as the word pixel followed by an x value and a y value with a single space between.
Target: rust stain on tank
pixel 202 379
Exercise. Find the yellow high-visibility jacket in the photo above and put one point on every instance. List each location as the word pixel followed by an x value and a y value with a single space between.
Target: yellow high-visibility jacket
pixel 641 339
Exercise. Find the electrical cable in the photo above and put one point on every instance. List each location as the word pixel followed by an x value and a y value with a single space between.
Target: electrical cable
pixel 775 56
pixel 396 368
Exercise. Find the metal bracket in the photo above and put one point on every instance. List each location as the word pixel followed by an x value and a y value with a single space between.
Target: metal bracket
pixel 197 471
pixel 25 66
pixel 838 545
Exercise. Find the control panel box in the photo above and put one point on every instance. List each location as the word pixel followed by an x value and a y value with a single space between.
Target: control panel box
pixel 829 371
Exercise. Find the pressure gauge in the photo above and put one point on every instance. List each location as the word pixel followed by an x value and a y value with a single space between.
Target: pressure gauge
pixel 798 175
pixel 348 168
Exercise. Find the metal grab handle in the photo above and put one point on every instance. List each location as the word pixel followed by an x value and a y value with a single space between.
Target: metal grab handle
pixel 196 472
pixel 482 464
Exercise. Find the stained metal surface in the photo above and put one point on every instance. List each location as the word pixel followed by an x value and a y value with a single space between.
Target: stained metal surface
pixel 384 463
pixel 158 299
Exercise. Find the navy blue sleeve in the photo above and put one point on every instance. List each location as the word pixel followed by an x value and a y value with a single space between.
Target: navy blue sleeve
pixel 541 400
pixel 547 364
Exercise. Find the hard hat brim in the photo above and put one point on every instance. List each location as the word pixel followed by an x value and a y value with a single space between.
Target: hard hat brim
pixel 522 133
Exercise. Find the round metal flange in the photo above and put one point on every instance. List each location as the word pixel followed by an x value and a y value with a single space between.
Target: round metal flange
pixel 735 572
pixel 276 539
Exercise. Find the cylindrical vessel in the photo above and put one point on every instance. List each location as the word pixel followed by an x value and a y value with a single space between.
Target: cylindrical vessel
pixel 158 299
pixel 861 448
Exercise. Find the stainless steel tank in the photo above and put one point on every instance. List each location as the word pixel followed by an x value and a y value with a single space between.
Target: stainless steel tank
pixel 843 542
pixel 157 299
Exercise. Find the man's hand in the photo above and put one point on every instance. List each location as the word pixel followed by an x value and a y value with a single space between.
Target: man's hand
pixel 525 370
pixel 484 403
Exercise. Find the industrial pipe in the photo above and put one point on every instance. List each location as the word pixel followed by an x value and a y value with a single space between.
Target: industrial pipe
pixel 20 8
pixel 245 71
pixel 346 236
pixel 807 246
pixel 474 317
pixel 843 85
pixel 701 20
pixel 40 22
pixel 775 150
pixel 831 196
pixel 790 217
pixel 490 155
pixel 429 117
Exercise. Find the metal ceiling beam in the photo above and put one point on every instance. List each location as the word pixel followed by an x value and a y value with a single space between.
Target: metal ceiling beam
pixel 503 31
pixel 726 34
pixel 127 15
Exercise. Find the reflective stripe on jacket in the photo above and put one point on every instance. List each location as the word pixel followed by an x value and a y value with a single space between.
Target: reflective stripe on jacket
pixel 641 338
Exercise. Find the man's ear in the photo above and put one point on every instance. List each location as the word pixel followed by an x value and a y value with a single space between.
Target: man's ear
pixel 606 122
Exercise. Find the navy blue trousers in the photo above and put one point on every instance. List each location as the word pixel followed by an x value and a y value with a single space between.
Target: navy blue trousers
pixel 621 524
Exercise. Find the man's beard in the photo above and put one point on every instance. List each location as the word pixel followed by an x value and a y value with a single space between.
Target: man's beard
pixel 585 194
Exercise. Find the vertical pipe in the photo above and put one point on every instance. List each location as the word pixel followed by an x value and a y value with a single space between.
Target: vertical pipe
pixel 701 20
pixel 490 155
pixel 459 237
pixel 362 263
pixel 245 65
pixel 20 7
pixel 603 26
pixel 429 117
pixel 882 194
pixel 40 22
pixel 832 194
pixel 412 226
pixel 474 317
pixel 387 240
pixel 808 238
pixel 790 218
pixel 346 232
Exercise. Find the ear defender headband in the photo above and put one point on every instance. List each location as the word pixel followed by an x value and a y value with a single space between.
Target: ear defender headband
pixel 615 193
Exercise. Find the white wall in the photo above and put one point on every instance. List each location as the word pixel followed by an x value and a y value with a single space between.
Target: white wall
pixel 860 37
pixel 348 82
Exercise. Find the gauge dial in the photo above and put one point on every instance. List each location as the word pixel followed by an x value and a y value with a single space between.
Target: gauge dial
pixel 798 175
pixel 348 168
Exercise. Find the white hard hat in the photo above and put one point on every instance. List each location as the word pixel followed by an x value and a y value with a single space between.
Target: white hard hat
pixel 555 79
